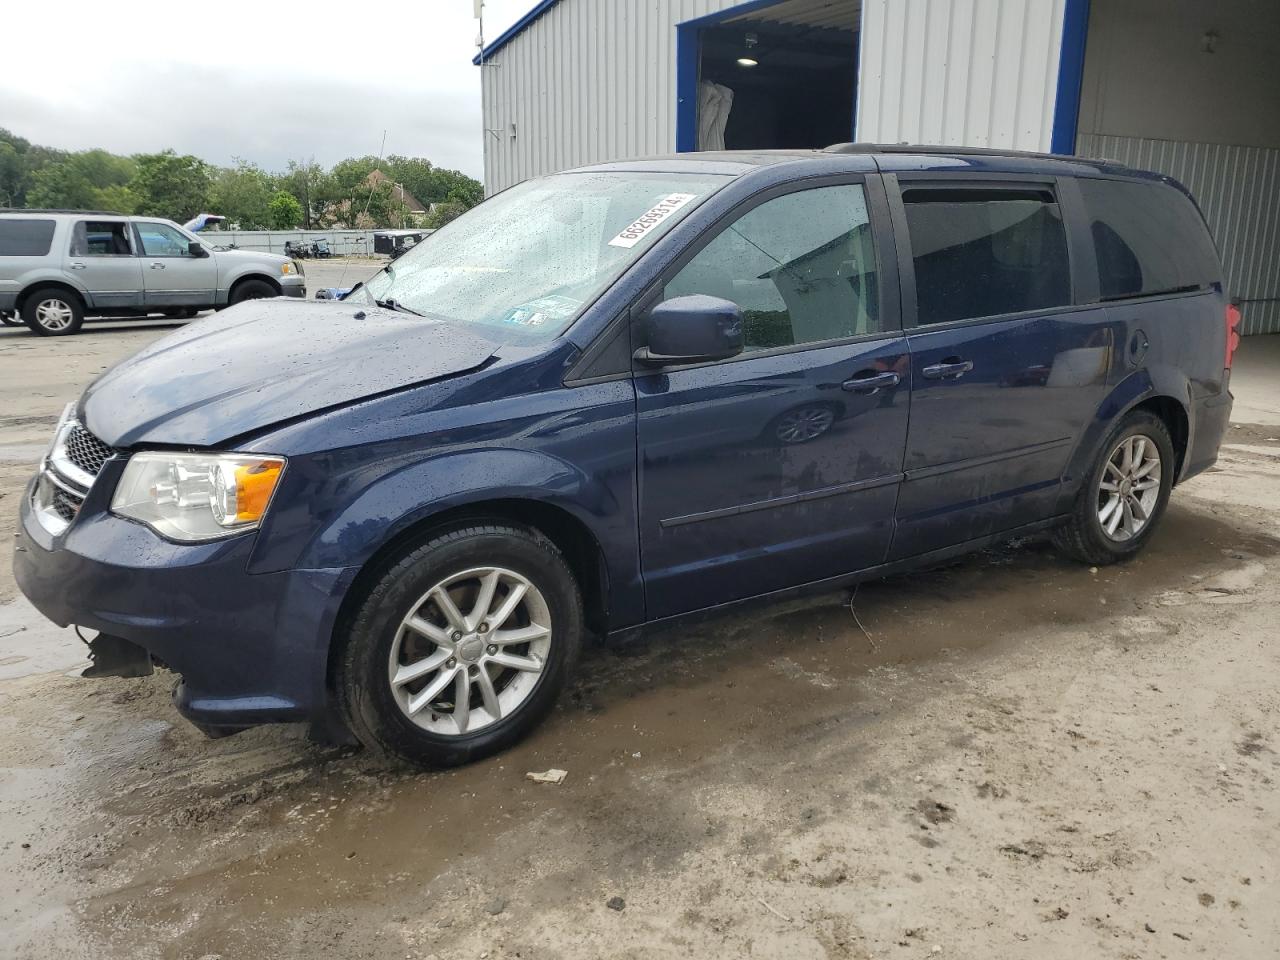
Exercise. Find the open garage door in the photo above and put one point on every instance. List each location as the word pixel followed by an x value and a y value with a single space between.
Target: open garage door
pixel 1192 89
pixel 765 76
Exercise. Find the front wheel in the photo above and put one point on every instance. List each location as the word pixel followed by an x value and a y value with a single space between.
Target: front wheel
pixel 252 290
pixel 1124 495
pixel 461 648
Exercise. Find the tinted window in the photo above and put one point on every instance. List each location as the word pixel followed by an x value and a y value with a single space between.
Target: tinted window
pixel 25 238
pixel 802 267
pixel 983 253
pixel 1148 237
pixel 101 238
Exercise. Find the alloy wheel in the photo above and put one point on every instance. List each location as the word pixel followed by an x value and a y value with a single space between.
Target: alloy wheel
pixel 1129 488
pixel 453 673
pixel 54 315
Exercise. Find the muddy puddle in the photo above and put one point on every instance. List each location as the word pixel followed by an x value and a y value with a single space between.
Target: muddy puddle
pixel 202 848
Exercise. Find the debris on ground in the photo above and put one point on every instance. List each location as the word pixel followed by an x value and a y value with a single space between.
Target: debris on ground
pixel 547 776
pixel 616 903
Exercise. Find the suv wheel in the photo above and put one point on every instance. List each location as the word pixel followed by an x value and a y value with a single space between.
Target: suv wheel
pixel 252 290
pixel 461 647
pixel 53 312
pixel 1125 494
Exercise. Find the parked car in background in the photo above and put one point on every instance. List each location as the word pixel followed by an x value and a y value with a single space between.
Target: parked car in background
pixel 621 397
pixel 59 266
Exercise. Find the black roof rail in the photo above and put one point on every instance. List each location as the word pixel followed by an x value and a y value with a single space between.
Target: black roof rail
pixel 945 151
pixel 90 213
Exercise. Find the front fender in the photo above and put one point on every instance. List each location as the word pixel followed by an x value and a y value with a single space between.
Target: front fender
pixel 409 496
pixel 1139 386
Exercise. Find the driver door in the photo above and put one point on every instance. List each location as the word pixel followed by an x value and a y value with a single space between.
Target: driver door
pixel 172 277
pixel 779 466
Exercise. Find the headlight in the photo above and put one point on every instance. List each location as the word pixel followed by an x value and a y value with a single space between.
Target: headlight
pixel 197 496
pixel 290 267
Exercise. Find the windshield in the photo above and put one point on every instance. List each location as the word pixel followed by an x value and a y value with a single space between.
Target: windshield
pixel 526 262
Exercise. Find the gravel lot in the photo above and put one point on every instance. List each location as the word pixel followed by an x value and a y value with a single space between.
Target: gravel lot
pixel 1019 757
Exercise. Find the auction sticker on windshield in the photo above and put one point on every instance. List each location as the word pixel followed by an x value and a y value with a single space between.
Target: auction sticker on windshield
pixel 650 219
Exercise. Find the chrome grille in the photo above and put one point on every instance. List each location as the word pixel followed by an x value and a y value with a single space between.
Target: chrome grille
pixel 67 474
pixel 85 450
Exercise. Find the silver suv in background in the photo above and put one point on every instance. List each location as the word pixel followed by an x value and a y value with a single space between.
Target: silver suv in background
pixel 59 266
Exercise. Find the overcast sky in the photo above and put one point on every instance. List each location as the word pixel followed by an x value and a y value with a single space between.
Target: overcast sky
pixel 263 81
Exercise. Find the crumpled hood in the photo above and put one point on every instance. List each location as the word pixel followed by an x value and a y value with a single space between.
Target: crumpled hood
pixel 266 361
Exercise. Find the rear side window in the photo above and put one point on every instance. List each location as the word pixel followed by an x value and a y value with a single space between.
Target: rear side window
pixel 25 238
pixel 101 238
pixel 1149 239
pixel 986 253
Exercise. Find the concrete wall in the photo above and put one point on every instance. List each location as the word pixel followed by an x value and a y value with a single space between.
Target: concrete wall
pixel 1154 98
pixel 979 73
pixel 1147 76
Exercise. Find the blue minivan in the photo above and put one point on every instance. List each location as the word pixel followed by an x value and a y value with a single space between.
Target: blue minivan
pixel 615 397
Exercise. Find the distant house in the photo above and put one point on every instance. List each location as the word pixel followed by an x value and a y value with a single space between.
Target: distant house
pixel 411 203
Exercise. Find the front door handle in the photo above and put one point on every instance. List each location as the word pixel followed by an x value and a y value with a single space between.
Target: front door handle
pixel 952 368
pixel 157 266
pixel 868 381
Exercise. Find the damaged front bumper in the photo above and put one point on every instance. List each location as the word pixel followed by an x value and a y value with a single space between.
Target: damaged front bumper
pixel 251 648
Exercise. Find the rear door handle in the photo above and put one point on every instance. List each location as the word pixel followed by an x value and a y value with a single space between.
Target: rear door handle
pixel 157 266
pixel 952 368
pixel 77 266
pixel 868 381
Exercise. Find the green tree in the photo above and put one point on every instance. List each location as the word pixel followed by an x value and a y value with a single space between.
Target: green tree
pixel 284 212
pixel 432 184
pixel 172 186
pixel 306 181
pixel 89 180
pixel 243 194
pixel 443 212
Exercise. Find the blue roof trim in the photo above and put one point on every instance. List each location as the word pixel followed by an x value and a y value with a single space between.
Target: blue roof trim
pixel 513 31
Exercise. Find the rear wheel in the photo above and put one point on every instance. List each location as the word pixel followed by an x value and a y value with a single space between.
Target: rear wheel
pixel 1125 494
pixel 252 290
pixel 462 647
pixel 53 312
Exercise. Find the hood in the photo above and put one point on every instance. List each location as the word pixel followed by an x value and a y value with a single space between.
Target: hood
pixel 249 256
pixel 266 361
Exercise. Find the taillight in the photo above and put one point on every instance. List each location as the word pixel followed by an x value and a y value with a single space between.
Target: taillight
pixel 1233 333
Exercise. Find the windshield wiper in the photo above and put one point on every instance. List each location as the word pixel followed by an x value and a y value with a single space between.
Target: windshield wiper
pixel 392 304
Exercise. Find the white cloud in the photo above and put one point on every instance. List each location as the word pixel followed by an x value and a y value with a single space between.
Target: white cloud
pixel 265 82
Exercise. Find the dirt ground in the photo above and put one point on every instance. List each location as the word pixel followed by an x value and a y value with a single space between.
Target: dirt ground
pixel 1008 756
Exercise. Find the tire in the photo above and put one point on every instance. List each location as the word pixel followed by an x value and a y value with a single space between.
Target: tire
pixel 53 312
pixel 252 290
pixel 1088 536
pixel 381 711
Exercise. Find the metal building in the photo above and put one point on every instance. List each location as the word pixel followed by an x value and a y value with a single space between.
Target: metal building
pixel 1185 87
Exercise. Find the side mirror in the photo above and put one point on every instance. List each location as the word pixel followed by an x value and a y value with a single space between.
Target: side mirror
pixel 693 329
pixel 197 250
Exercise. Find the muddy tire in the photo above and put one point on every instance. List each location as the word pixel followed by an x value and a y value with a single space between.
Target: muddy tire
pixel 487 617
pixel 1125 494
pixel 53 312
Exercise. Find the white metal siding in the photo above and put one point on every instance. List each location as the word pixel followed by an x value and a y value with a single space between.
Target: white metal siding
pixel 1238 188
pixel 589 80
pixel 979 73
